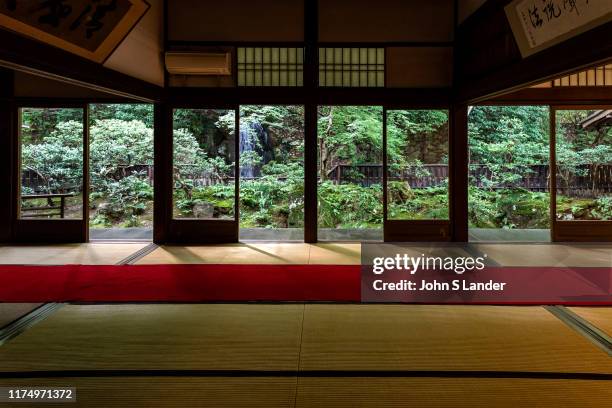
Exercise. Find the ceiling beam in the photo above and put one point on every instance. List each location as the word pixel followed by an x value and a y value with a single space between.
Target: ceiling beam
pixel 34 57
pixel 489 61
pixel 561 95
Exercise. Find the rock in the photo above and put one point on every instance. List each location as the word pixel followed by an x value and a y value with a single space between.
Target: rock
pixel 203 210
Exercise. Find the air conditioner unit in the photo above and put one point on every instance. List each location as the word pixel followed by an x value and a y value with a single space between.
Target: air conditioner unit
pixel 199 63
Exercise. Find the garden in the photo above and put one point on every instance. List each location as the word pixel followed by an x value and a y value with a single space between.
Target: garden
pixel 508 165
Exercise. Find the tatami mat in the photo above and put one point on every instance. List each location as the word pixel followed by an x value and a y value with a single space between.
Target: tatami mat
pixel 451 393
pixel 419 337
pixel 600 317
pixel 202 337
pixel 91 254
pixel 175 392
pixel 273 392
pixel 291 337
pixel 333 337
pixel 9 312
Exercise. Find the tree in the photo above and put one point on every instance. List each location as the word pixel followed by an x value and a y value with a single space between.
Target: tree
pixel 349 135
pixel 57 159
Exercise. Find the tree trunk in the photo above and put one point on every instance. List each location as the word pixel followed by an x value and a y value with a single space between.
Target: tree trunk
pixel 323 151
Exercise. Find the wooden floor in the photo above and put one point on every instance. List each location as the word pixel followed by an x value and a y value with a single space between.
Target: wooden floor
pixel 91 253
pixel 311 355
pixel 596 255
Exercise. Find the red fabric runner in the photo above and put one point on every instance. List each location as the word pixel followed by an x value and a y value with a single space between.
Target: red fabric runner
pixel 179 283
pixel 278 283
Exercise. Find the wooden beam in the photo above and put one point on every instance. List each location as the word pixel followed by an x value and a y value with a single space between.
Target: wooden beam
pixel 24 54
pixel 6 155
pixel 562 95
pixel 489 61
pixel 417 97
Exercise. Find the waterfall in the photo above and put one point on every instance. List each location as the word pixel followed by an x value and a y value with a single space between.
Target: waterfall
pixel 253 139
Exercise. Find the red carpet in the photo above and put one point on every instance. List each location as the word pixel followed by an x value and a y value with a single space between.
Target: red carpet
pixel 179 283
pixel 298 283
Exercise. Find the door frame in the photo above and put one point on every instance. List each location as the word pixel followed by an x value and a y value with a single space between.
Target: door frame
pixel 191 230
pixel 574 230
pixel 50 230
pixel 316 152
pixel 417 230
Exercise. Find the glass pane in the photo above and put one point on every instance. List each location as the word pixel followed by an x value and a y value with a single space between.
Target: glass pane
pixel 584 164
pixel 417 158
pixel 204 163
pixel 350 173
pixel 51 164
pixel 508 173
pixel 271 172
pixel 121 171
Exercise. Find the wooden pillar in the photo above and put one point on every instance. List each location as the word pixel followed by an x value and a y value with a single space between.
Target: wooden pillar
pixel 311 27
pixel 162 172
pixel 458 175
pixel 7 145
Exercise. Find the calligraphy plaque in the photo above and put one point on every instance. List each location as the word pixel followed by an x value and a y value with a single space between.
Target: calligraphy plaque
pixel 89 28
pixel 539 24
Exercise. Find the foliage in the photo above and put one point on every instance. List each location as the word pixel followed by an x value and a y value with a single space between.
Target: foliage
pixel 417 204
pixel 349 206
pixel 124 200
pixel 127 112
pixel 508 141
pixel 57 159
pixel 508 208
pixel 349 135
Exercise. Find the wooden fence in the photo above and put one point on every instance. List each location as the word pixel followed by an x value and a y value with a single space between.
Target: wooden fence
pixel 589 181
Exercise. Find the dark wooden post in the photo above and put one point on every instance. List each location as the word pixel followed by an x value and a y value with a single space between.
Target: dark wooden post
pixel 162 172
pixel 311 27
pixel 62 206
pixel 458 173
pixel 7 144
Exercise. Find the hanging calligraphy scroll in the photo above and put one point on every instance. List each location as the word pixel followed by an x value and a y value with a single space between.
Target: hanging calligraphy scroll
pixel 539 24
pixel 89 28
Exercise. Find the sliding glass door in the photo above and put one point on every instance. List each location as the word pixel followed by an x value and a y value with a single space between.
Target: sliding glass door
pixel 204 175
pixel 509 173
pixel 350 173
pixel 417 175
pixel 121 171
pixel 52 174
pixel 582 156
pixel 271 150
